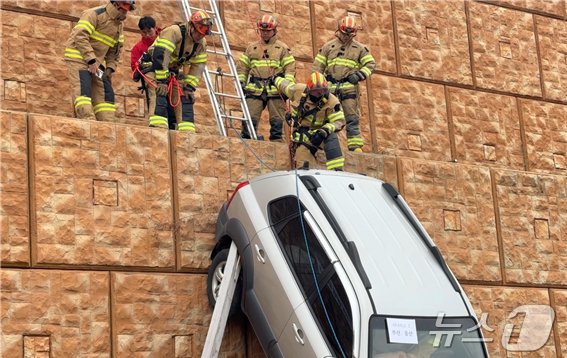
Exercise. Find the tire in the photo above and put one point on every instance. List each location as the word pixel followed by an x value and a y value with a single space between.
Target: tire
pixel 214 278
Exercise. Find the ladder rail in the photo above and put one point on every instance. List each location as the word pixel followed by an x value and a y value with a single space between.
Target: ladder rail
pixel 232 66
pixel 219 318
pixel 215 95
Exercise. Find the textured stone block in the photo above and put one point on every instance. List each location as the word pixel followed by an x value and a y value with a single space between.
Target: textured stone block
pixel 15 91
pixel 34 70
pixel 36 346
pixel 59 312
pixel 405 110
pixel 454 203
pixel 552 37
pixel 559 302
pixel 293 18
pixel 452 220
pixel 102 194
pixel 154 314
pixel 554 7
pixel 534 226
pixel 433 40
pixel 497 304
pixel 487 128
pixel 504 49
pixel 377 31
pixel 546 135
pixel 14 193
pixel 202 170
pixel 377 166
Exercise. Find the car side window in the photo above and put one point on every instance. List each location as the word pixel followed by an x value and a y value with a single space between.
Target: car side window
pixel 326 296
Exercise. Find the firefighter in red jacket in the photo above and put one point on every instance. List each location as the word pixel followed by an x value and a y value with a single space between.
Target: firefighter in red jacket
pixel 92 54
pixel 179 57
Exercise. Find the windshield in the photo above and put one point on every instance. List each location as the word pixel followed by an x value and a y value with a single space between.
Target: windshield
pixel 429 337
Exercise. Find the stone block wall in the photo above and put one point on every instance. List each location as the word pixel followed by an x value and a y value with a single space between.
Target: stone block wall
pixel 106 228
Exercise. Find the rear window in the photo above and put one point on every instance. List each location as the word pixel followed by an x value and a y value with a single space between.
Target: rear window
pixel 403 337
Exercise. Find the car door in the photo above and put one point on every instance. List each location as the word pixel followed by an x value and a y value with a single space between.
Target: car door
pixel 301 336
pixel 274 285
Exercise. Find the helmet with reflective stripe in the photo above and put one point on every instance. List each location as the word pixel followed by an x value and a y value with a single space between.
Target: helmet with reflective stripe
pixel 348 25
pixel 202 22
pixel 267 23
pixel 127 5
pixel 317 85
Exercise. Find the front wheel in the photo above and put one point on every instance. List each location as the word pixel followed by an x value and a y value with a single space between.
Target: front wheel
pixel 214 279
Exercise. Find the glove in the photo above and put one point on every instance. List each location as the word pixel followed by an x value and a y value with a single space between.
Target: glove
pixel 162 89
pixel 291 121
pixel 243 86
pixel 354 78
pixel 189 92
pixel 108 73
pixel 317 139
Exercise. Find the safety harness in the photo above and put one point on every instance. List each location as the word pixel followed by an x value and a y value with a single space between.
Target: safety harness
pixel 337 92
pixel 301 113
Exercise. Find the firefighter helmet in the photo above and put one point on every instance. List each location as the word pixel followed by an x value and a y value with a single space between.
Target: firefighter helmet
pixel 127 5
pixel 317 85
pixel 267 23
pixel 202 22
pixel 348 25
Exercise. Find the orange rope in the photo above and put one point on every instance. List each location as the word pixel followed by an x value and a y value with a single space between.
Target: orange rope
pixel 149 80
pixel 174 82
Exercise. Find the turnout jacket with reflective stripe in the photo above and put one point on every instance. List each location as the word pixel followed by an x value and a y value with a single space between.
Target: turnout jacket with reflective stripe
pixel 165 50
pixel 329 116
pixel 263 61
pixel 340 60
pixel 97 35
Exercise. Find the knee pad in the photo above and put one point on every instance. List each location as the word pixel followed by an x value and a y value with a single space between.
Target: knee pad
pixel 161 106
pixel 352 120
pixel 187 113
pixel 85 80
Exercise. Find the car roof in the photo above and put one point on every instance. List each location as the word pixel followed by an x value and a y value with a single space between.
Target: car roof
pixel 406 279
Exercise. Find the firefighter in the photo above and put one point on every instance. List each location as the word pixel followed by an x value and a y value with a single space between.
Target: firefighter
pixel 315 118
pixel 259 65
pixel 345 62
pixel 178 59
pixel 92 54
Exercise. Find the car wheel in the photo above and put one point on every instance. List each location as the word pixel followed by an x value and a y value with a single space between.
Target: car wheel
pixel 214 279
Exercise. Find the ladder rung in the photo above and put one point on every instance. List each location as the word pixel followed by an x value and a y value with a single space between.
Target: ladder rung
pixel 233 117
pixel 201 9
pixel 217 52
pixel 216 33
pixel 226 95
pixel 221 73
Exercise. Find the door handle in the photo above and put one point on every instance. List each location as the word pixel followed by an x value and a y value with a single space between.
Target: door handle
pixel 298 335
pixel 260 255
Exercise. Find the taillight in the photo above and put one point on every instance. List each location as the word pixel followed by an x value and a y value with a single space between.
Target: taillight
pixel 241 185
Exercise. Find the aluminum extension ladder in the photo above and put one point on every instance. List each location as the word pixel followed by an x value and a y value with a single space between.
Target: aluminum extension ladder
pixel 218 99
pixel 222 305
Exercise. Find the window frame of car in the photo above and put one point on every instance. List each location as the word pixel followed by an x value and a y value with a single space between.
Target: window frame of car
pixel 333 273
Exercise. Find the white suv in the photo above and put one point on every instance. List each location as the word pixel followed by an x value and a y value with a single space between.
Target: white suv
pixel 336 265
